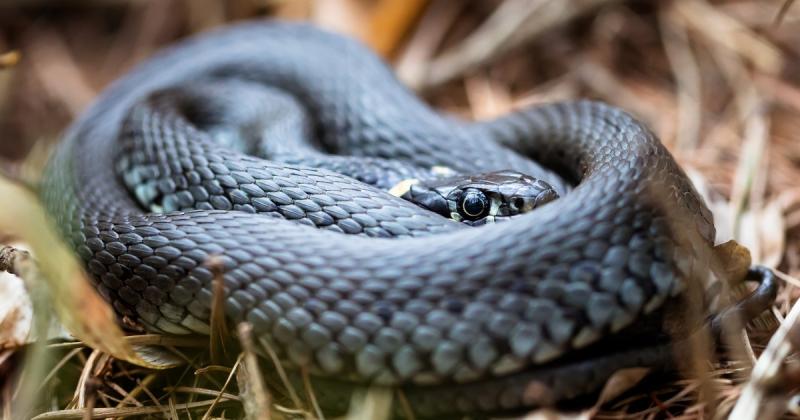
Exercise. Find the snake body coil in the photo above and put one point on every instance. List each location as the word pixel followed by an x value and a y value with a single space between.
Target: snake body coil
pixel 356 284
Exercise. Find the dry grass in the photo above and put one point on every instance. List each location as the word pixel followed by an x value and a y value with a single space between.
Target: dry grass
pixel 716 80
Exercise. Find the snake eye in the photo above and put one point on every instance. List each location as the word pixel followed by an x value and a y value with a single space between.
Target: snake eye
pixel 473 205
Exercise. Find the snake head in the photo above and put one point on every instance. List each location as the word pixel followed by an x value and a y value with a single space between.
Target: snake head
pixel 482 198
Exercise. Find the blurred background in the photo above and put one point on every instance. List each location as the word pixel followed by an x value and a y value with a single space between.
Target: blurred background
pixel 718 81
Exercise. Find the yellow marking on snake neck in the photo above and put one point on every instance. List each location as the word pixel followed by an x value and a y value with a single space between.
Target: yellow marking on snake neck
pixel 402 187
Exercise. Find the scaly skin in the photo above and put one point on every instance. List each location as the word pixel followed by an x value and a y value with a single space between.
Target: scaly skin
pixel 406 298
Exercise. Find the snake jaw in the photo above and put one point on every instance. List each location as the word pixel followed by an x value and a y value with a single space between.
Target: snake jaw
pixel 480 222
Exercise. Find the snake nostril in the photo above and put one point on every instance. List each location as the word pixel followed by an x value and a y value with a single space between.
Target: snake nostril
pixel 518 203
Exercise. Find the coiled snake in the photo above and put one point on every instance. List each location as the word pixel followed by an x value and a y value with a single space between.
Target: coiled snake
pixel 347 280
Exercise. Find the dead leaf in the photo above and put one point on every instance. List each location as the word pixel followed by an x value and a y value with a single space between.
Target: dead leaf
pixel 734 259
pixel 16 312
pixel 390 22
pixel 380 24
pixel 9 59
pixel 82 311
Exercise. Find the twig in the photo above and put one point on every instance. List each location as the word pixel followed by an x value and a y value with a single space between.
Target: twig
pixel 731 34
pixel 767 369
pixel 782 12
pixel 256 396
pixel 748 189
pixel 155 401
pixel 601 80
pixel 217 323
pixel 57 367
pixel 413 62
pixel 145 26
pixel 486 98
pixel 687 75
pixel 202 391
pixel 56 69
pixel 779 90
pixel 235 367
pixel 514 23
pixel 405 406
pixel 102 413
pixel 85 378
pixel 126 396
pixel 311 395
pixel 281 372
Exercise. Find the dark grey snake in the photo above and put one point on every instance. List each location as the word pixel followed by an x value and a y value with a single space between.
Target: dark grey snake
pixel 533 311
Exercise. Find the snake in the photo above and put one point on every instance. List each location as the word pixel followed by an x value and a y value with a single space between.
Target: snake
pixel 269 147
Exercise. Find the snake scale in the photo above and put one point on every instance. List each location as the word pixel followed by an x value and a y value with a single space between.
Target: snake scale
pixel 353 283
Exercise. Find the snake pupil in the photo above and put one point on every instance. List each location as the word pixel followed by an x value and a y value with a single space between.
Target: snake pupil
pixel 474 204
